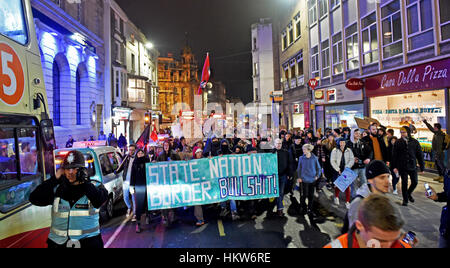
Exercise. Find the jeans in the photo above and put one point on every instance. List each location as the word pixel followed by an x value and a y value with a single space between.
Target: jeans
pixel 281 184
pixel 406 192
pixel 233 207
pixel 443 242
pixel 439 160
pixel 395 180
pixel 126 196
pixel 307 192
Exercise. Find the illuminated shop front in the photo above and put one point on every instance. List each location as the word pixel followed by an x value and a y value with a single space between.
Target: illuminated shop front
pixel 406 97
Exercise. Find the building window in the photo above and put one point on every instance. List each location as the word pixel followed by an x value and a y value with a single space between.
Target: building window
pixel 444 11
pixel 351 41
pixel 133 62
pixel 312 12
pixel 337 54
pixel 334 3
pixel 392 29
pixel 284 40
pixel 300 64
pixel 254 44
pixel 291 33
pixel 117 83
pixel 255 69
pixel 325 58
pixel 298 30
pixel 136 90
pixel 56 95
pixel 117 22
pixel 420 23
pixel 323 8
pixel 369 39
pixel 118 50
pixel 315 61
pixel 78 96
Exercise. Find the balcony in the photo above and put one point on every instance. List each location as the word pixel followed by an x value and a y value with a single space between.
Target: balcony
pixel 293 83
pixel 286 85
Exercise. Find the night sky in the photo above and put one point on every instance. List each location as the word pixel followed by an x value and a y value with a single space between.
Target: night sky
pixel 220 27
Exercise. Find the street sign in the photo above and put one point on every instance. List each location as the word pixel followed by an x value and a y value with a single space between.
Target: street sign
pixel 313 83
pixel 354 84
pixel 278 95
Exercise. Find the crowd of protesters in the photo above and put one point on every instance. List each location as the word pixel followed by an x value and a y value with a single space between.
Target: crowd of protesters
pixel 307 161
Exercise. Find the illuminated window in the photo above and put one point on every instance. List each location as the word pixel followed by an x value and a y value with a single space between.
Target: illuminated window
pixel 369 39
pixel 351 41
pixel 337 54
pixel 392 29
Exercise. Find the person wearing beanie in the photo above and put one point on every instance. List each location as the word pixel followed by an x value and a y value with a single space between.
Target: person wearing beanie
pixel 407 154
pixel 377 175
pixel 78 201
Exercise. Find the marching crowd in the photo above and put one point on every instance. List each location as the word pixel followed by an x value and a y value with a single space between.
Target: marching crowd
pixel 307 161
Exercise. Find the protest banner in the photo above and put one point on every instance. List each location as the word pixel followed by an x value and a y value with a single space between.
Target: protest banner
pixel 347 177
pixel 211 180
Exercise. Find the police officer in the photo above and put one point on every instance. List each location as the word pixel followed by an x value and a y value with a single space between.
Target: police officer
pixel 75 204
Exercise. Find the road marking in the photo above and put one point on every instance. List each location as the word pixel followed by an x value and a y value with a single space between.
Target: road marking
pixel 116 233
pixel 200 229
pixel 220 226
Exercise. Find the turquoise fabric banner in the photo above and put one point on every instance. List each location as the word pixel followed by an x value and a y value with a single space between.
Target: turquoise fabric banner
pixel 211 180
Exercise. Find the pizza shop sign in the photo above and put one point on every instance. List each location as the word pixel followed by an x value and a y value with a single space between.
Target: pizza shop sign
pixel 432 75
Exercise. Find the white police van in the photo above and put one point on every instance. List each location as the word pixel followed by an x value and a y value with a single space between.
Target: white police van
pixel 101 162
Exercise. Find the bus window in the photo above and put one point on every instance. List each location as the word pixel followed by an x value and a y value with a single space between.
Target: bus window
pixel 12 21
pixel 88 160
pixel 27 151
pixel 8 163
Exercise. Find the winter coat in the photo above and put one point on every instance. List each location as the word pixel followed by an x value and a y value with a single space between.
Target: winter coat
pixel 138 174
pixel 328 170
pixel 407 154
pixel 225 150
pixel 362 151
pixel 336 156
pixel 285 162
pixel 308 168
pixel 212 148
pixel 437 144
pixel 384 151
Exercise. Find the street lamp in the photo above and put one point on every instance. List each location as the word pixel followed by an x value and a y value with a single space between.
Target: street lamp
pixel 149 45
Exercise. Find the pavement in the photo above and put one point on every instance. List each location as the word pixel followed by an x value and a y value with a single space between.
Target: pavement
pixel 267 231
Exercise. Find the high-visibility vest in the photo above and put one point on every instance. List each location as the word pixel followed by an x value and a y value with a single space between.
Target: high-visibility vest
pixel 73 223
pixel 343 241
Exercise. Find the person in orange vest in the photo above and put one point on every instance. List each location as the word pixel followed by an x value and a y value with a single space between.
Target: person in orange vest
pixel 379 225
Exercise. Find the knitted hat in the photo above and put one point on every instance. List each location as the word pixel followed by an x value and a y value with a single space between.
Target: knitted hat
pixel 376 168
pixel 199 150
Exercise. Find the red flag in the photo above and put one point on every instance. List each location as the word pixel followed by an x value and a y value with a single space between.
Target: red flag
pixel 205 75
pixel 154 135
pixel 253 142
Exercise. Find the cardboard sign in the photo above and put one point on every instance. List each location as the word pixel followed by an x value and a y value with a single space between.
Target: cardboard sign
pixel 346 179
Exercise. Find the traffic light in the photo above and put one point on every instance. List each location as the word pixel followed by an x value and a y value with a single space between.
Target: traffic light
pixel 147 117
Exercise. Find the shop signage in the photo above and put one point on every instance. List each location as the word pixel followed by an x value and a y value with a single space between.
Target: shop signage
pixel 318 94
pixel 313 83
pixel 354 84
pixel 121 113
pixel 278 95
pixel 306 113
pixel 337 94
pixel 298 109
pixel 433 75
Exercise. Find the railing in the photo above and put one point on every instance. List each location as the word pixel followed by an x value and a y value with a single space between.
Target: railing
pixel 293 83
pixel 300 80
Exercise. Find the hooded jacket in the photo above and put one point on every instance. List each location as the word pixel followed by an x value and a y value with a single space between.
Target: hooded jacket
pixel 225 149
pixel 211 147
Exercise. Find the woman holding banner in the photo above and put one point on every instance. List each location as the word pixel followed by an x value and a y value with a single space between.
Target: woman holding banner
pixel 138 185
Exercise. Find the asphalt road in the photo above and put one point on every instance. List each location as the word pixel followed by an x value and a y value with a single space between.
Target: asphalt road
pixel 266 231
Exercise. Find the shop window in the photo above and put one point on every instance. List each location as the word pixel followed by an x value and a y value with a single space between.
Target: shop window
pixel 351 40
pixel 391 29
pixel 444 12
pixel 420 23
pixel 315 61
pixel 312 12
pixel 12 21
pixel 369 39
pixel 337 54
pixel 325 58
pixel 343 115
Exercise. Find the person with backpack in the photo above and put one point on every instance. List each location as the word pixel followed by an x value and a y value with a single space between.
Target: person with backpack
pixel 438 147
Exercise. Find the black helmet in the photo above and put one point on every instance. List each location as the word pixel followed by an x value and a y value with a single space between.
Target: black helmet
pixel 74 159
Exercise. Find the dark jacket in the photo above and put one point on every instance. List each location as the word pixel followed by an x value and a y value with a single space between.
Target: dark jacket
pixel 138 176
pixel 384 151
pixel 437 144
pixel 225 149
pixel 286 165
pixel 444 229
pixel 407 154
pixel 210 147
pixel 362 151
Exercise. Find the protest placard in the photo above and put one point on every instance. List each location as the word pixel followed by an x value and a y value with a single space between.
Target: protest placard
pixel 211 180
pixel 347 177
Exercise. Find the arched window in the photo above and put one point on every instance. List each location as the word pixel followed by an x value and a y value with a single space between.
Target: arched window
pixel 56 95
pixel 78 96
